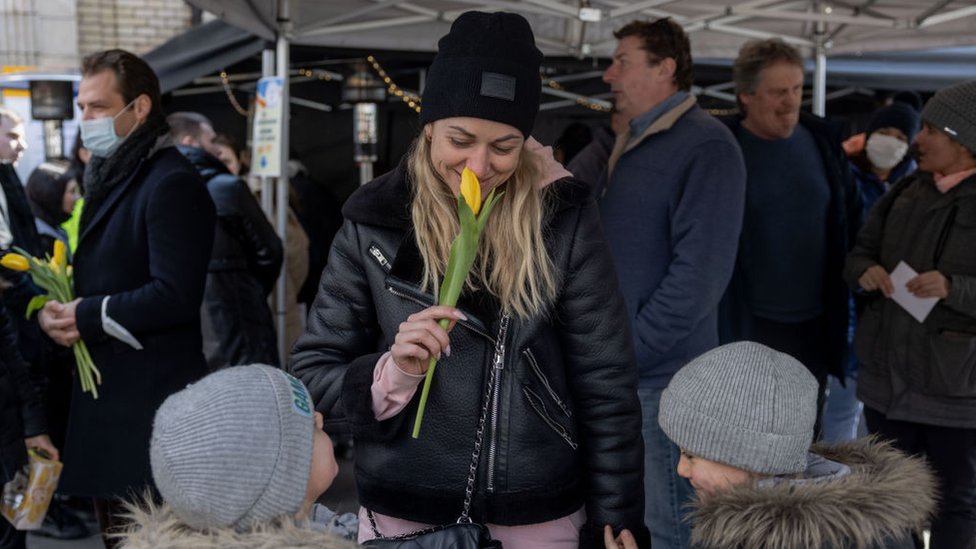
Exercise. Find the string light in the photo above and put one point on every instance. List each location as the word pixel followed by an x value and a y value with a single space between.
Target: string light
pixel 308 73
pixel 409 99
pixel 225 82
pixel 581 101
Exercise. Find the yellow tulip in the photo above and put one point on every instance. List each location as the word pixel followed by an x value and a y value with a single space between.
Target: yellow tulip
pixel 471 190
pixel 59 255
pixel 15 262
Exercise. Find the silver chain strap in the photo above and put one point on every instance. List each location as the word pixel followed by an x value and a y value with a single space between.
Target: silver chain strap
pixel 485 404
pixel 498 357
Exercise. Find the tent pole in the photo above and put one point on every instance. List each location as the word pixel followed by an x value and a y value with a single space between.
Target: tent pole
pixel 281 198
pixel 820 66
pixel 820 82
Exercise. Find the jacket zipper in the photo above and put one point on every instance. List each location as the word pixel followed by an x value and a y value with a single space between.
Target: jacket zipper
pixel 536 402
pixel 498 363
pixel 545 382
pixel 428 303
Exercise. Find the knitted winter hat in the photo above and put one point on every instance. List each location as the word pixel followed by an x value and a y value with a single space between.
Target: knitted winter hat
pixel 953 110
pixel 235 448
pixel 896 115
pixel 486 67
pixel 744 405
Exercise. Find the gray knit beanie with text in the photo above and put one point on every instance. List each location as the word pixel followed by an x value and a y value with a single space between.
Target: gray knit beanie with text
pixel 744 405
pixel 235 448
pixel 953 111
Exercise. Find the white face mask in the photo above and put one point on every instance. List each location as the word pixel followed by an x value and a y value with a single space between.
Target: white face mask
pixel 98 135
pixel 885 151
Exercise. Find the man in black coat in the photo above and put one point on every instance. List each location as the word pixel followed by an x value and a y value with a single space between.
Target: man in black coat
pixel 245 261
pixel 145 238
pixel 17 228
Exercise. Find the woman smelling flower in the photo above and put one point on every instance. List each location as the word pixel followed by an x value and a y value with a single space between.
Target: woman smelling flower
pixel 538 342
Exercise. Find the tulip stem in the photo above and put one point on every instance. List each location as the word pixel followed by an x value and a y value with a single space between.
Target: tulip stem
pixel 431 365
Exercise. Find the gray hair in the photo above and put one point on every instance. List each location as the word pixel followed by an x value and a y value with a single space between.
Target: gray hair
pixel 756 55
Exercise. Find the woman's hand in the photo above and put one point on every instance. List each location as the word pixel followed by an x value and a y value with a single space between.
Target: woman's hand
pixel 624 541
pixel 876 278
pixel 43 442
pixel 929 284
pixel 421 337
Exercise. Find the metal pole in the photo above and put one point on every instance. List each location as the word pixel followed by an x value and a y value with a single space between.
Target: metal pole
pixel 284 34
pixel 820 82
pixel 820 68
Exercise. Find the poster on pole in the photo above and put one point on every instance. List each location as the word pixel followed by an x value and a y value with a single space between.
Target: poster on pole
pixel 266 141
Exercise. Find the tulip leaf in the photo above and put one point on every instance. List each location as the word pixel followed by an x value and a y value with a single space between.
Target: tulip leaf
pixel 36 304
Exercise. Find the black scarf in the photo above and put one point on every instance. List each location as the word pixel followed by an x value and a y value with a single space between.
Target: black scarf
pixel 103 173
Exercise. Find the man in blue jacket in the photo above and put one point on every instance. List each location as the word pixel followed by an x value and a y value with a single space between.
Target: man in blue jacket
pixel 672 211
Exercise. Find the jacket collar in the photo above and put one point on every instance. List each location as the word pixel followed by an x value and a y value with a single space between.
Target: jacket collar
pixel 206 164
pixel 664 123
pixel 885 494
pixel 119 190
pixel 152 526
pixel 385 201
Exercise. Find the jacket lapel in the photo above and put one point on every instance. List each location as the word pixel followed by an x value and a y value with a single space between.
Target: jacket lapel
pixel 113 197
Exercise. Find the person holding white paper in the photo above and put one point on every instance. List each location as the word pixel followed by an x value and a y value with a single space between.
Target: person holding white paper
pixel 918 372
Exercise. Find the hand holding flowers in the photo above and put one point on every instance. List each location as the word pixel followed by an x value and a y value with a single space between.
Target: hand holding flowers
pixel 57 316
pixel 472 216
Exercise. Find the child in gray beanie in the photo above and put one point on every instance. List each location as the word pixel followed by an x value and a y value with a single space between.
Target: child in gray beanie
pixel 238 457
pixel 743 416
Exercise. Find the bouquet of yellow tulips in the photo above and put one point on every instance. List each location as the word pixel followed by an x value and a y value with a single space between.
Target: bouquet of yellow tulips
pixel 54 275
pixel 472 217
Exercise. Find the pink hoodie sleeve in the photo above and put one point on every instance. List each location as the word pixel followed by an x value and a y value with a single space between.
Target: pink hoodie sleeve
pixel 392 388
pixel 552 170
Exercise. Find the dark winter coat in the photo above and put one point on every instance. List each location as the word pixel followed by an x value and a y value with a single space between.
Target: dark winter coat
pixel 244 265
pixel 566 429
pixel 883 499
pixel 910 371
pixel 21 412
pixel 22 227
pixel 147 245
pixel 843 221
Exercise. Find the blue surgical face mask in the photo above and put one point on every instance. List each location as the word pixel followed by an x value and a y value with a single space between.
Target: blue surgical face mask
pixel 98 134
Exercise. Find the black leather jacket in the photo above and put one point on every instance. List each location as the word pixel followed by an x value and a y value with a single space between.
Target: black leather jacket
pixel 244 265
pixel 565 429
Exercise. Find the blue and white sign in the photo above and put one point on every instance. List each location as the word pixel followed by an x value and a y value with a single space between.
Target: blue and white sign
pixel 266 139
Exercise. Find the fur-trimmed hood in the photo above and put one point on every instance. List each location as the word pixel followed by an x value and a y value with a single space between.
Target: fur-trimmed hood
pixel 885 496
pixel 157 527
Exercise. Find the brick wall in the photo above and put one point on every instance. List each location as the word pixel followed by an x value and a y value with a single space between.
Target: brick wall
pixel 38 32
pixel 134 25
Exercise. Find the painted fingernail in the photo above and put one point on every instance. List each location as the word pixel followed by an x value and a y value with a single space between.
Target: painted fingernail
pixel 461 316
pixel 447 350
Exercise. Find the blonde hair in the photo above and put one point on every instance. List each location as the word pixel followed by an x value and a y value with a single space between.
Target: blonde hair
pixel 512 263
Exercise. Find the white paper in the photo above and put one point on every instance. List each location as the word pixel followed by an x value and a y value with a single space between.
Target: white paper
pixel 918 307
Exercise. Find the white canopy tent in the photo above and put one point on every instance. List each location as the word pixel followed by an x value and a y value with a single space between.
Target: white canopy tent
pixel 584 29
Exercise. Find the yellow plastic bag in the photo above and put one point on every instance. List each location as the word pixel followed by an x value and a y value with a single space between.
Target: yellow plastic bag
pixel 27 496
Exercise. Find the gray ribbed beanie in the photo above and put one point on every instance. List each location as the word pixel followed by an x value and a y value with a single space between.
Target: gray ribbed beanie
pixel 953 110
pixel 744 405
pixel 235 448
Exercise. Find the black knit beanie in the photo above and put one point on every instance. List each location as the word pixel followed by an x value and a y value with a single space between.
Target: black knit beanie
pixel 953 111
pixel 486 67
pixel 896 115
